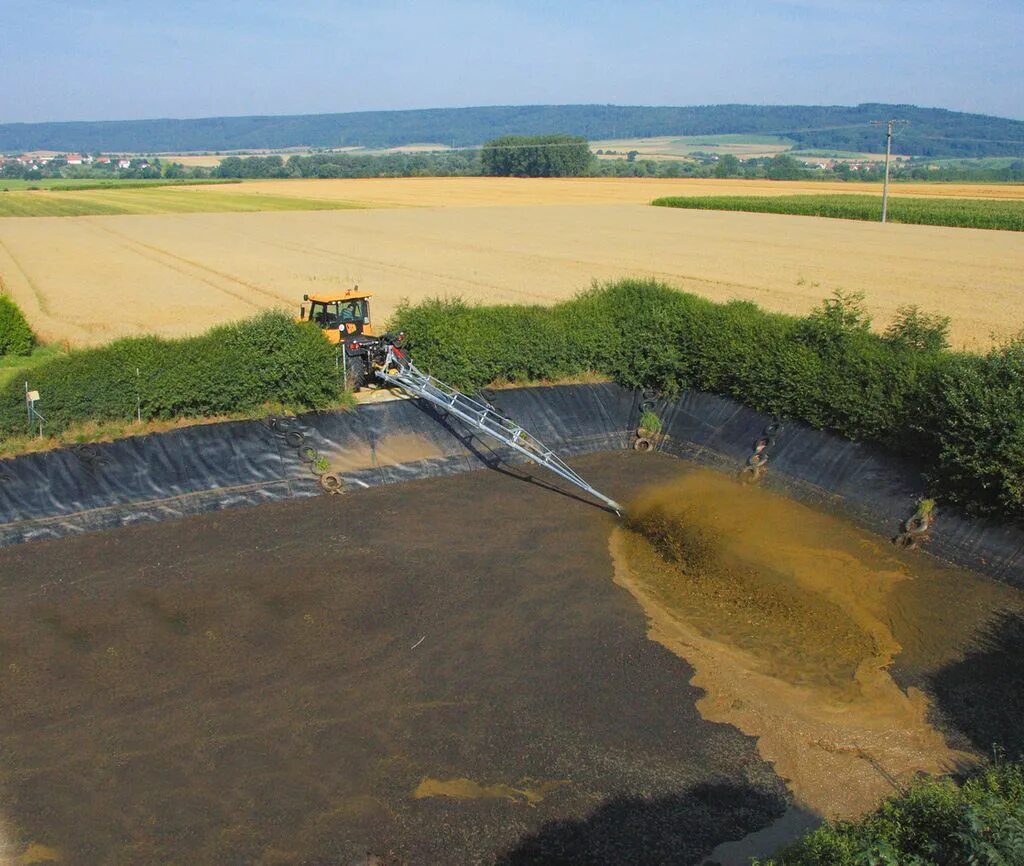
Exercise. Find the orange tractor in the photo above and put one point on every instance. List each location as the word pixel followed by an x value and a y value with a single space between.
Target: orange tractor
pixel 338 314
pixel 344 317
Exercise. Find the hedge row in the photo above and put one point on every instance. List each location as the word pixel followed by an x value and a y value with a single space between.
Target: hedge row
pixel 229 369
pixel 934 823
pixel 960 416
pixel 15 334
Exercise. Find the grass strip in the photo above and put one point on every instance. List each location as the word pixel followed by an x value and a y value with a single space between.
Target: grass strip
pixel 184 199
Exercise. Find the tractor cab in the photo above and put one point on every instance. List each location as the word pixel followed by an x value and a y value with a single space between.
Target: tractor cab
pixel 340 315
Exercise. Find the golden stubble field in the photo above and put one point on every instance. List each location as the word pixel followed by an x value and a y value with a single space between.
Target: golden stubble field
pixel 499 191
pixel 89 279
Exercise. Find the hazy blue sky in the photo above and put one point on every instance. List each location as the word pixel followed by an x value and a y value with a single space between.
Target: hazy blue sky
pixel 111 59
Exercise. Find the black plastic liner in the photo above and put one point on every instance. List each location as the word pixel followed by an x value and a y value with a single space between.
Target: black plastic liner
pixel 211 467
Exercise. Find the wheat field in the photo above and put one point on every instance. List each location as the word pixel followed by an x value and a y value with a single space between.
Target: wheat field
pixel 85 280
pixel 501 191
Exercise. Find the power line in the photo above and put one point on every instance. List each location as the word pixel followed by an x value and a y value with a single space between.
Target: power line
pixel 1017 141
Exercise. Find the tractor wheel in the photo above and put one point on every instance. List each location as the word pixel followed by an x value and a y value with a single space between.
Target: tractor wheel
pixel 357 373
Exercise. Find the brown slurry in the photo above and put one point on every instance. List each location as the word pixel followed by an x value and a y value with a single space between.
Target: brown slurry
pixel 430 672
pixel 529 792
pixel 391 450
pixel 443 672
pixel 790 625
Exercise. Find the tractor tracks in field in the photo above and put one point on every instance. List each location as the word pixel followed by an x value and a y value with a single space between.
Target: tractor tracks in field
pixel 389 267
pixel 41 302
pixel 557 261
pixel 190 268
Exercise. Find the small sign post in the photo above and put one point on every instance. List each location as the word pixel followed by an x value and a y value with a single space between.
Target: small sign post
pixel 34 415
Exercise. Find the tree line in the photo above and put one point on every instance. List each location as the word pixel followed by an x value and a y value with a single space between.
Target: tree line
pixel 530 156
pixel 334 165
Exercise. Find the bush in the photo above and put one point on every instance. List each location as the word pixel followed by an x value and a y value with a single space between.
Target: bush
pixel 649 422
pixel 934 823
pixel 229 369
pixel 15 335
pixel 961 417
pixel 913 329
pixel 975 424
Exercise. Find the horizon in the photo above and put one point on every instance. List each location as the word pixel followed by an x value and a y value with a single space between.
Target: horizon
pixel 155 118
pixel 104 61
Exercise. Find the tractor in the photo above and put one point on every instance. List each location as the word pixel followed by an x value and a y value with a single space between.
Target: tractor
pixel 344 317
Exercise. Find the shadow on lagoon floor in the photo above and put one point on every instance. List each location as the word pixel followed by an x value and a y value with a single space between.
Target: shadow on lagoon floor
pixel 676 829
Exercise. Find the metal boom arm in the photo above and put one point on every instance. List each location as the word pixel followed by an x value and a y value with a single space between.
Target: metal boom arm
pixel 400 371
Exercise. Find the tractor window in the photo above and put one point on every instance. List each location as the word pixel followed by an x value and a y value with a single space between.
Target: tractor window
pixel 353 311
pixel 337 313
pixel 321 313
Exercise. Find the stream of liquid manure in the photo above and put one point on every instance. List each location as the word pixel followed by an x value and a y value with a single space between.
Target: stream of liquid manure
pixel 784 614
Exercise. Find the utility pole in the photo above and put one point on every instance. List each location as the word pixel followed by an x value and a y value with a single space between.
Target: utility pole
pixel 888 152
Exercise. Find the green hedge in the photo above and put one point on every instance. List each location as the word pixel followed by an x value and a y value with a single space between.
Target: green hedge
pixel 15 334
pixel 229 369
pixel 960 416
pixel 934 823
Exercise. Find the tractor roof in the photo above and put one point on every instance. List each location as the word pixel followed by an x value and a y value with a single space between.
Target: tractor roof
pixel 331 297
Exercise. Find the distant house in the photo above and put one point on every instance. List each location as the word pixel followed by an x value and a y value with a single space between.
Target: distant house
pixel 124 163
pixel 103 160
pixel 73 159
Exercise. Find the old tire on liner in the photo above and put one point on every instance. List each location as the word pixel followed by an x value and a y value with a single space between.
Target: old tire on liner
pixel 331 483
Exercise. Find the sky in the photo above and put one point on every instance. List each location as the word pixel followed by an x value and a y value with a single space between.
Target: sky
pixel 113 59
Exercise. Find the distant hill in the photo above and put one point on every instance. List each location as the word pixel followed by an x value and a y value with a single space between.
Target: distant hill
pixel 932 132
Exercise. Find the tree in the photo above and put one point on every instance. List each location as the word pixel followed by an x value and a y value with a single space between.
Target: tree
pixel 537 156
pixel 783 167
pixel 913 329
pixel 728 166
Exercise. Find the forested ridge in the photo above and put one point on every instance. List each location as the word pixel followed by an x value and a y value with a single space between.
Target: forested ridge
pixel 932 132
